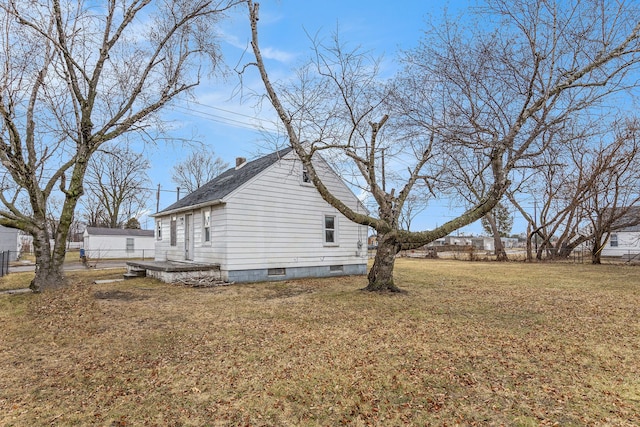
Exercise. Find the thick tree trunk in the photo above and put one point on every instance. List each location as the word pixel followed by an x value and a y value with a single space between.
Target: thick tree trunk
pixel 501 254
pixel 565 250
pixel 381 273
pixel 50 261
pixel 595 257
pixel 597 247
pixel 49 264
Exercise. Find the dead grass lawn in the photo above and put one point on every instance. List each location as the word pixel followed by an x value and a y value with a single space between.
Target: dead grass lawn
pixel 469 344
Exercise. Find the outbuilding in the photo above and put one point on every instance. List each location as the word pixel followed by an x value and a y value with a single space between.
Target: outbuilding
pixel 109 243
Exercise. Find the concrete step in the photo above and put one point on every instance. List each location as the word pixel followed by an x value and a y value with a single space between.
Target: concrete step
pixel 134 273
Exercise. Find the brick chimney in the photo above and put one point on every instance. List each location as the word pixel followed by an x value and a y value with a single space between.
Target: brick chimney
pixel 240 161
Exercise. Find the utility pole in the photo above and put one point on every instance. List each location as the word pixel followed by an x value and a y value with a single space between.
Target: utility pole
pixel 535 222
pixel 383 178
pixel 158 199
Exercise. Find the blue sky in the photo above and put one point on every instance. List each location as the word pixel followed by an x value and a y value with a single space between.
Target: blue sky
pixel 228 126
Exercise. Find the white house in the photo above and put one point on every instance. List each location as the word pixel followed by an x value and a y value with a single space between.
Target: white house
pixel 102 243
pixel 488 243
pixel 10 242
pixel 458 240
pixel 483 243
pixel 264 220
pixel 624 239
pixel 623 243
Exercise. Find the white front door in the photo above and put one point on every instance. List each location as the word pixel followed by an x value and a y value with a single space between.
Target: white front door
pixel 188 237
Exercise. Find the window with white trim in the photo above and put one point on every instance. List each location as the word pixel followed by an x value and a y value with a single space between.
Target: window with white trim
pixel 613 241
pixel 130 243
pixel 174 231
pixel 206 225
pixel 330 223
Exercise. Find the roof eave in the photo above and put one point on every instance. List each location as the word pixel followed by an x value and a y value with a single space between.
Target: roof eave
pixel 189 208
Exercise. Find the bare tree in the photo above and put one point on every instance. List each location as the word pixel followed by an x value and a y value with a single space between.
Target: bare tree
pixel 200 167
pixel 615 192
pixel 585 192
pixel 74 75
pixel 468 179
pixel 92 212
pixel 413 206
pixel 487 90
pixel 117 186
pixel 498 223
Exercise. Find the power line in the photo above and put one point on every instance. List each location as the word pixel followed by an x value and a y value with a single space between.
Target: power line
pixel 221 109
pixel 260 125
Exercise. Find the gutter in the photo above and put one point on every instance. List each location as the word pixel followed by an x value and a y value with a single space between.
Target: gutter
pixel 188 208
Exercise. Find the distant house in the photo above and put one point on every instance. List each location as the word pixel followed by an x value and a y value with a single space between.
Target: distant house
pixel 458 240
pixel 483 243
pixel 624 240
pixel 102 243
pixel 488 243
pixel 623 243
pixel 264 220
pixel 510 242
pixel 437 242
pixel 10 241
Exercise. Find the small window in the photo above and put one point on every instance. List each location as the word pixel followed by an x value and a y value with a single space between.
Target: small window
pixel 206 221
pixel 130 247
pixel 276 272
pixel 336 268
pixel 613 242
pixel 329 229
pixel 159 229
pixel 174 231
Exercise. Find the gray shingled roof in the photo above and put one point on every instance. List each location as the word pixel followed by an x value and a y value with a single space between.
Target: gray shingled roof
pixel 631 217
pixel 103 231
pixel 226 182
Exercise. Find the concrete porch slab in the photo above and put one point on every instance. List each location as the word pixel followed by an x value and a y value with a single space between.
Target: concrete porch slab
pixel 172 266
pixel 174 271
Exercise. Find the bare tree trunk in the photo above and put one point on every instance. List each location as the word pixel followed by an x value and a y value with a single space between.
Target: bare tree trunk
pixel 564 252
pixel 50 261
pixel 596 248
pixel 501 254
pixel 595 256
pixel 567 249
pixel 381 273
pixel 49 264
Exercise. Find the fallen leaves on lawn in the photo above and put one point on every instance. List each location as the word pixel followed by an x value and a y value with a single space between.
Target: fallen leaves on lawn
pixel 493 344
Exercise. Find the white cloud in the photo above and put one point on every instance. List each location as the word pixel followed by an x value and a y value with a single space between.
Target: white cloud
pixel 277 55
